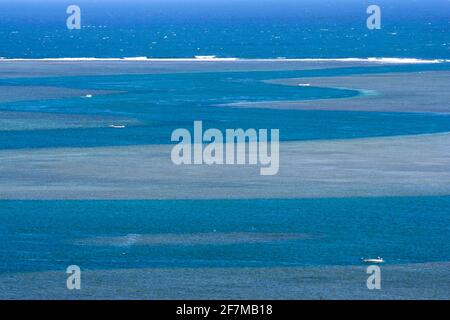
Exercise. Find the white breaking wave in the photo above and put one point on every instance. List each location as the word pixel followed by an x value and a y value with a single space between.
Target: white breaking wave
pixel 381 60
pixel 372 59
pixel 122 59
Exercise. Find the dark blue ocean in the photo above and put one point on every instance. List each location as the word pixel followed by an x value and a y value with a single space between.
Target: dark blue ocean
pixel 239 28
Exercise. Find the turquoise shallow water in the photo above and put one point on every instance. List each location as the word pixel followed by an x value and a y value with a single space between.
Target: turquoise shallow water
pixel 49 235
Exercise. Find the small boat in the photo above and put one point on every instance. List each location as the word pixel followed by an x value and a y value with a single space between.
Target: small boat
pixel 88 96
pixel 205 57
pixel 373 260
pixel 117 126
pixel 304 85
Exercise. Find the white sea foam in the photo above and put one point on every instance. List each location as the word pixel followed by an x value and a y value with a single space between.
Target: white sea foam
pixel 372 59
pixel 381 60
pixel 122 59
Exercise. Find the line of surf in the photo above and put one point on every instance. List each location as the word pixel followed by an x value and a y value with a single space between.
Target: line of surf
pixel 381 60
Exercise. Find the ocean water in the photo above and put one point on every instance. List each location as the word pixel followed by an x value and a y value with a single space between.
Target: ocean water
pixel 163 103
pixel 50 235
pixel 244 29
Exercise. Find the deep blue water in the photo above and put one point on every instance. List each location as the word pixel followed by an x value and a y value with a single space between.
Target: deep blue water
pixel 50 235
pixel 246 29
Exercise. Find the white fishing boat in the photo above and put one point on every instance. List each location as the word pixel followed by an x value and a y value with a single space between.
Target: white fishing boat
pixel 205 57
pixel 88 96
pixel 117 126
pixel 373 260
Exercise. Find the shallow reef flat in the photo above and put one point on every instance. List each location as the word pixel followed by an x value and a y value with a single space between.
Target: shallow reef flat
pixel 388 92
pixel 64 68
pixel 389 166
pixel 408 281
pixel 14 121
pixel 10 93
